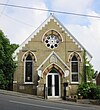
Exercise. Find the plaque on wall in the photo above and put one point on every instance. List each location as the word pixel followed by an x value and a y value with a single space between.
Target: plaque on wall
pixel 53 59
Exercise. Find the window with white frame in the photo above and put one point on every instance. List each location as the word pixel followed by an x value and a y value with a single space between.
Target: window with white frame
pixel 74 69
pixel 28 68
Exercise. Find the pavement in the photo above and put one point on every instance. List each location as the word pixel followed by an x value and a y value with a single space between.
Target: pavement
pixel 82 102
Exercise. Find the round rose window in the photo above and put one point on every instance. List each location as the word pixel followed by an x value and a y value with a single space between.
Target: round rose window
pixel 52 39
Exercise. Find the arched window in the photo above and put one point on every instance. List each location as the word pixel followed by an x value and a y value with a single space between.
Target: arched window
pixel 28 68
pixel 74 69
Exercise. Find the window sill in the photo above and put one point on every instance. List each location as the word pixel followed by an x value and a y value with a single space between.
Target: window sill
pixel 28 83
pixel 74 82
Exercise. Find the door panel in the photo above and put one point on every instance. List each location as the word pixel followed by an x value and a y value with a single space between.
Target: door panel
pixel 49 85
pixel 56 85
pixel 53 84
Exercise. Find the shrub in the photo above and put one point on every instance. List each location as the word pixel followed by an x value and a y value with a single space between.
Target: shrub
pixel 89 90
pixel 98 92
pixel 83 90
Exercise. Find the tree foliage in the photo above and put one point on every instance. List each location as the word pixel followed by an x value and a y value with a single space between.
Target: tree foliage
pixel 89 90
pixel 88 71
pixel 7 65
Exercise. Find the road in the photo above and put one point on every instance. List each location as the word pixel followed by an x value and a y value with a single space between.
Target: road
pixel 8 102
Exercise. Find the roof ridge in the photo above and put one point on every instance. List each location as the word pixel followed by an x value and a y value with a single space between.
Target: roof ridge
pixel 51 16
pixel 66 30
pixel 33 33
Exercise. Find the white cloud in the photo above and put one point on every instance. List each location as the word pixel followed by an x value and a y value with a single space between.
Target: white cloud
pixel 15 27
pixel 89 36
pixel 17 32
pixel 72 6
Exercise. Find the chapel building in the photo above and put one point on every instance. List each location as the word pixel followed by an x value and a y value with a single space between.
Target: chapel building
pixel 49 58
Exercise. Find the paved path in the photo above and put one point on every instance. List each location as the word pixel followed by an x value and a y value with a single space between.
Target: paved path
pixel 9 102
pixel 79 103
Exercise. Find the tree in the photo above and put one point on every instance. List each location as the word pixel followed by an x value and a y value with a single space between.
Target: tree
pixel 88 71
pixel 7 65
pixel 88 89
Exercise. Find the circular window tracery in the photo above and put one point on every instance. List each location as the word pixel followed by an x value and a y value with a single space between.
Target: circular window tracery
pixel 52 40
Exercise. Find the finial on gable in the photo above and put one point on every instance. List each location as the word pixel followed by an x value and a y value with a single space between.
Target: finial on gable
pixel 51 13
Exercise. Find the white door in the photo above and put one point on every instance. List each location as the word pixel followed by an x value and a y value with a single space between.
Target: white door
pixel 53 85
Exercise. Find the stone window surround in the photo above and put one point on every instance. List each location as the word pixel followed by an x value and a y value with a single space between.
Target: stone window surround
pixel 34 59
pixel 79 59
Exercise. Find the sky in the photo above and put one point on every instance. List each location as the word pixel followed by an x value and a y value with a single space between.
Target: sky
pixel 18 24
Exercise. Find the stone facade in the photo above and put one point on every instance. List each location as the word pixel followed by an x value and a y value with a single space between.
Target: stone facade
pixel 46 60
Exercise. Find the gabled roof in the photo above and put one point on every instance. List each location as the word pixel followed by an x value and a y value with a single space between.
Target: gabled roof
pixel 63 28
pixel 53 53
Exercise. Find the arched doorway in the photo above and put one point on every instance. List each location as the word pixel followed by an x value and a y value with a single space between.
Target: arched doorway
pixel 53 84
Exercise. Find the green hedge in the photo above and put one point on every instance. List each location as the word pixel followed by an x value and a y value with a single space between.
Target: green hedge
pixel 89 91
